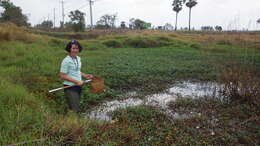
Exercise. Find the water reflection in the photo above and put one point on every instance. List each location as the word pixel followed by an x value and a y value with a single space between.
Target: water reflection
pixel 180 90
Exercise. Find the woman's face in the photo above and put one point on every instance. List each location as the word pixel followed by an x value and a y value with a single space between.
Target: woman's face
pixel 74 50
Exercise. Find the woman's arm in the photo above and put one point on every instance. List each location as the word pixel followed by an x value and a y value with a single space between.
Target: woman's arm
pixel 67 78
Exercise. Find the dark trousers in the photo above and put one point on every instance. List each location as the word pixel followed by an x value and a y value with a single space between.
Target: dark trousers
pixel 73 97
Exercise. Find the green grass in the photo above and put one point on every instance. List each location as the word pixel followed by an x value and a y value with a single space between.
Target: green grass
pixel 146 63
pixel 37 65
pixel 22 114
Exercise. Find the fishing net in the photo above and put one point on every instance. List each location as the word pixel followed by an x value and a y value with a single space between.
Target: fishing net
pixel 97 85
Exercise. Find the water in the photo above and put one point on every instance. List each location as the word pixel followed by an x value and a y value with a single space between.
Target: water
pixel 102 111
pixel 185 89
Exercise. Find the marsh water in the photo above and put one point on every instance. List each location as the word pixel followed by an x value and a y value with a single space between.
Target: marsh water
pixel 184 89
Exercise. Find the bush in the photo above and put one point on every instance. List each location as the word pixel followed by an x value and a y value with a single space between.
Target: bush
pixel 113 43
pixel 141 42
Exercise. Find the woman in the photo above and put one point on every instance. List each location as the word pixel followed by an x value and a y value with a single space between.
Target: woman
pixel 71 74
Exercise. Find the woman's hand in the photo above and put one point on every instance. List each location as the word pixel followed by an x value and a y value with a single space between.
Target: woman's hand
pixel 89 76
pixel 79 83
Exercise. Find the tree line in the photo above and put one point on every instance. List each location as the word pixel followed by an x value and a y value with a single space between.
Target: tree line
pixel 12 13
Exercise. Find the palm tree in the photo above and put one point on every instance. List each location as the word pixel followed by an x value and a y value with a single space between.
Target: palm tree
pixel 177 7
pixel 190 4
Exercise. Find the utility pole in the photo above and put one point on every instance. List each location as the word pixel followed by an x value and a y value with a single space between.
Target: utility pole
pixel 63 15
pixel 54 18
pixel 90 9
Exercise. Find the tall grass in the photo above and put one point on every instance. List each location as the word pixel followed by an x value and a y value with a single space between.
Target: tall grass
pixel 240 83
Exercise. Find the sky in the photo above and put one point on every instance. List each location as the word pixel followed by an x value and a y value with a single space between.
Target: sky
pixel 230 14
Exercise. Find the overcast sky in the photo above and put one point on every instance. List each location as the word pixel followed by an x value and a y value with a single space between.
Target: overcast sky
pixel 230 14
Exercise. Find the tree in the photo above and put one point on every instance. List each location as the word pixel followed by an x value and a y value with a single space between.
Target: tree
pixel 218 28
pixel 47 24
pixel 168 26
pixel 190 4
pixel 107 21
pixel 13 14
pixel 160 28
pixel 177 7
pixel 131 23
pixel 122 25
pixel 77 20
pixel 139 24
pixel 207 28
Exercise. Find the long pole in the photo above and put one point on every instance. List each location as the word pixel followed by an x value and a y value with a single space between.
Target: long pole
pixel 54 90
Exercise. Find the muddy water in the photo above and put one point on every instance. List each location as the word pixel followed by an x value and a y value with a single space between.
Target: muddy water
pixel 185 89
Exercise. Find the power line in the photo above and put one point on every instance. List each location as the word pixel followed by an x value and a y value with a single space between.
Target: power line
pixel 78 8
pixel 90 3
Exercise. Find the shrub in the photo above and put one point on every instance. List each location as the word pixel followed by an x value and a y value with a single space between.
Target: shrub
pixel 113 43
pixel 141 42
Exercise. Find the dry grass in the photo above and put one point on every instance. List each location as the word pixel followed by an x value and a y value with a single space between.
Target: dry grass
pixel 248 39
pixel 69 129
pixel 128 31
pixel 240 83
pixel 9 31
